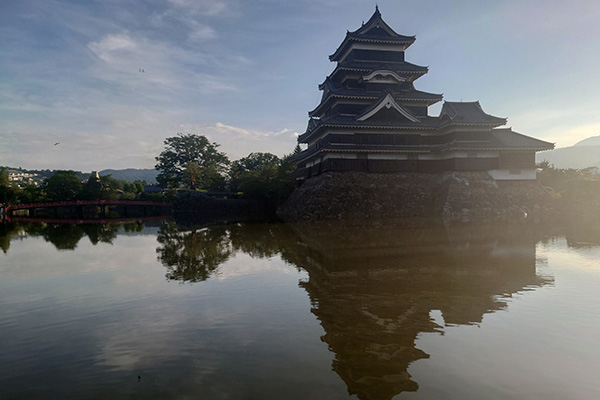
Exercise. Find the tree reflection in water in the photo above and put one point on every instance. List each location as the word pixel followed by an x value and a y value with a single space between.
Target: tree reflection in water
pixel 192 256
pixel 66 236
pixel 8 231
pixel 195 255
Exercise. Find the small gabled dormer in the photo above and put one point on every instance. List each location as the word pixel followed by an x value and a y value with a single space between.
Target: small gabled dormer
pixel 387 108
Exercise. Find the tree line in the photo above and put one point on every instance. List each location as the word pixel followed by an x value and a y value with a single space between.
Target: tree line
pixel 560 181
pixel 188 161
pixel 66 185
pixel 193 162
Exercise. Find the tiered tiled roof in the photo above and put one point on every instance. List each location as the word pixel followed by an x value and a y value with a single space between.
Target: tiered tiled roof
pixel 509 139
pixel 363 77
pixel 370 105
pixel 375 30
pixel 331 92
pixel 413 94
pixel 402 68
pixel 348 121
pixel 469 113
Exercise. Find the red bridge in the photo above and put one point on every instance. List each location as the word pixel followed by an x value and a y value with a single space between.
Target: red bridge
pixel 88 221
pixel 91 206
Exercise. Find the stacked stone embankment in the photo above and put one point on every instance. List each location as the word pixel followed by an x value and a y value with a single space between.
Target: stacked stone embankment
pixel 416 198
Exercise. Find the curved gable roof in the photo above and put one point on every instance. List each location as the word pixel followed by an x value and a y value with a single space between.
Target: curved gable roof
pixel 375 30
pixel 469 113
pixel 389 103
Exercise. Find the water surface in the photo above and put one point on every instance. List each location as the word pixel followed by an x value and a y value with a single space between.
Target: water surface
pixel 262 311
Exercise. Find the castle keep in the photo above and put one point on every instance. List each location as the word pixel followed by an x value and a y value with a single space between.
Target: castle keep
pixel 374 153
pixel 372 119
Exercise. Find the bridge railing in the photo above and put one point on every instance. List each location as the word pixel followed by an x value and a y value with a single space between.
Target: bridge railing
pixel 14 207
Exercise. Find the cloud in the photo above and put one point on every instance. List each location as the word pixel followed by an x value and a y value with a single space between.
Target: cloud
pixel 124 136
pixel 239 142
pixel 110 44
pixel 109 136
pixel 124 58
pixel 200 32
pixel 154 69
pixel 200 7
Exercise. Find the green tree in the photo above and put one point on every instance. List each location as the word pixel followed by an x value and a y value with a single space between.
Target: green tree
pixel 109 188
pixel 183 149
pixel 31 194
pixel 296 150
pixel 285 182
pixel 254 175
pixel 558 180
pixel 62 186
pixel 100 188
pixel 8 193
pixel 4 181
pixel 138 186
pixel 191 175
pixel 263 176
pixel 256 162
pixel 92 189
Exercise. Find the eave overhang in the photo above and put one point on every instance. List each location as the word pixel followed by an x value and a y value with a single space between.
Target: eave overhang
pixel 319 108
pixel 349 40
pixel 326 102
pixel 494 148
pixel 404 69
pixel 306 136
pixel 469 114
pixel 385 35
pixel 475 124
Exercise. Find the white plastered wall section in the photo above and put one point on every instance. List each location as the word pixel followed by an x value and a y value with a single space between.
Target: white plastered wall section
pixel 513 174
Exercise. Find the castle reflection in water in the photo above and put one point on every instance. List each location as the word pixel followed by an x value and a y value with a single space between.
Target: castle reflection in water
pixel 372 288
pixel 373 292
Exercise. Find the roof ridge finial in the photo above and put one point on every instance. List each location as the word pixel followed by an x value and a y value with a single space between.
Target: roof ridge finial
pixel 376 7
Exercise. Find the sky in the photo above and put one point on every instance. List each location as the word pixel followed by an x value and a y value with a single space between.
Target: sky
pixel 245 73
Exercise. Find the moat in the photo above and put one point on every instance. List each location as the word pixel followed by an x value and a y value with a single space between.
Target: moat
pixel 319 311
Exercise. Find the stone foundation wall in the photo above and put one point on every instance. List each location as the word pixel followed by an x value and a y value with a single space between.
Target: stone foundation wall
pixel 415 198
pixel 475 197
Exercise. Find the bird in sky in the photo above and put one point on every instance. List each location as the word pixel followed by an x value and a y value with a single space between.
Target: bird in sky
pixel 56 144
pixel 141 70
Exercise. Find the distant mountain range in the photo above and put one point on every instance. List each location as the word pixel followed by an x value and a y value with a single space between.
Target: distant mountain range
pixel 583 154
pixel 131 174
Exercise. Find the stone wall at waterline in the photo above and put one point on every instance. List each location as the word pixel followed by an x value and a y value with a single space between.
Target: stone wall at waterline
pixel 416 198
pixel 475 197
